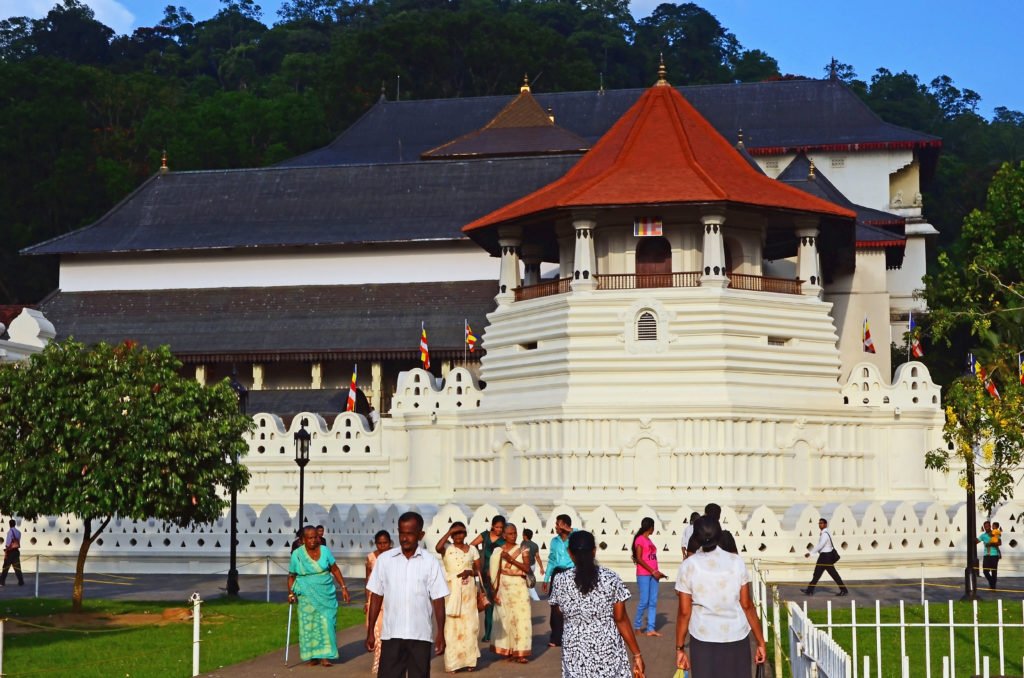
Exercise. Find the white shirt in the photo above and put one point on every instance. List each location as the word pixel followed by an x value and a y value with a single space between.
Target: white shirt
pixel 824 543
pixel 409 586
pixel 687 533
pixel 714 581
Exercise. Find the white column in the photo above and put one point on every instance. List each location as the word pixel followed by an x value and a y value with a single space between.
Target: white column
pixel 257 377
pixel 807 267
pixel 532 254
pixel 376 384
pixel 585 262
pixel 317 376
pixel 508 279
pixel 566 247
pixel 201 374
pixel 713 273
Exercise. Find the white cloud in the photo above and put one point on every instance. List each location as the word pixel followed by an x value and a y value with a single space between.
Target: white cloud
pixel 110 12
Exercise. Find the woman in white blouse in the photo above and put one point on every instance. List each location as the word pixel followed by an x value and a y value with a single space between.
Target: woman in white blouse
pixel 716 610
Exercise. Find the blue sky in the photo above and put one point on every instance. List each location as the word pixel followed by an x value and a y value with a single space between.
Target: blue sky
pixel 976 44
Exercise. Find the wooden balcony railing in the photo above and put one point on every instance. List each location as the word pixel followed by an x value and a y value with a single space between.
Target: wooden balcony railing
pixel 630 281
pixel 544 289
pixel 759 283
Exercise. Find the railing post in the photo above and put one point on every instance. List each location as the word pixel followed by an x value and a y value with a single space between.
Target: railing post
pixel 1 647
pixel 974 622
pixel 196 614
pixel 778 631
pixel 268 579
pixel 37 581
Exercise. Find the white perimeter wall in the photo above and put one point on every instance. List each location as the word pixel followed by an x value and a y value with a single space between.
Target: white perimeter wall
pixel 403 263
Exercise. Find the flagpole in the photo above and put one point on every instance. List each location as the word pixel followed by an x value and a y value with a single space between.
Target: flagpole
pixel 910 333
pixel 465 342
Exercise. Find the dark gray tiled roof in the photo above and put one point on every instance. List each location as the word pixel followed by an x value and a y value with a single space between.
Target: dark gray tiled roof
pixel 269 323
pixel 791 114
pixel 280 206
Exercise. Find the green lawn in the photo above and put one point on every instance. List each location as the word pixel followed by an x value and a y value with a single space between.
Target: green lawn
pixel 988 638
pixel 232 631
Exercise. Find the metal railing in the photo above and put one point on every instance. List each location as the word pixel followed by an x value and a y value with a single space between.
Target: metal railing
pixel 544 289
pixel 634 281
pixel 760 283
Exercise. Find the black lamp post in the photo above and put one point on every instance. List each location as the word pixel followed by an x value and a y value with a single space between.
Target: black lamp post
pixel 302 438
pixel 971 573
pixel 243 404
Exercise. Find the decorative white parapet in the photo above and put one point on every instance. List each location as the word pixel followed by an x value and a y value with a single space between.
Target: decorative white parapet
pixel 912 388
pixel 876 539
pixel 418 391
pixel 29 333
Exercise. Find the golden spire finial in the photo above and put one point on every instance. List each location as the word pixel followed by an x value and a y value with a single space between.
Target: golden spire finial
pixel 810 171
pixel 739 139
pixel 163 162
pixel 526 83
pixel 662 82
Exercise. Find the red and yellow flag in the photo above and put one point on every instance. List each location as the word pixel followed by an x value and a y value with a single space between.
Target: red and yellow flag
pixel 351 405
pixel 470 338
pixel 424 348
pixel 869 345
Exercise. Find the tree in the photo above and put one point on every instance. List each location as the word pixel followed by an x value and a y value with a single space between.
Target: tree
pixel 108 431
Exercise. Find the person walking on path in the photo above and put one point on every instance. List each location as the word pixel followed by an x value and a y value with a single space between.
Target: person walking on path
pixel 535 560
pixel 462 627
pixel 509 565
pixel 311 576
pixel 12 554
pixel 716 610
pixel 558 562
pixel 486 542
pixel 688 533
pixel 382 543
pixel 827 559
pixel 592 599
pixel 645 555
pixel 412 583
pixel 989 555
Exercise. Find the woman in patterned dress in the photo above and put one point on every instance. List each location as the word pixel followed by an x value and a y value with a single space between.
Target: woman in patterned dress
pixel 716 609
pixel 597 629
pixel 311 576
pixel 509 564
pixel 382 542
pixel 462 620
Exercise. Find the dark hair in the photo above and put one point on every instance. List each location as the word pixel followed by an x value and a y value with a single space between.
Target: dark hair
pixel 708 531
pixel 498 519
pixel 713 510
pixel 459 523
pixel 694 517
pixel 319 527
pixel 528 533
pixel 12 522
pixel 645 524
pixel 564 518
pixel 822 520
pixel 728 543
pixel 307 527
pixel 410 516
pixel 381 533
pixel 582 548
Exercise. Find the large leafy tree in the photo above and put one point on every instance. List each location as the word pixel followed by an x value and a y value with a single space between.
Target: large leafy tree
pixel 107 431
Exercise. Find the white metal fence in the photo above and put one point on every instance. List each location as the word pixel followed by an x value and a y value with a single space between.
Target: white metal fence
pixel 813 652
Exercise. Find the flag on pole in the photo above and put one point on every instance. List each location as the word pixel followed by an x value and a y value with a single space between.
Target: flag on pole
pixel 351 405
pixel 916 349
pixel 647 226
pixel 470 337
pixel 424 348
pixel 975 368
pixel 1020 367
pixel 869 345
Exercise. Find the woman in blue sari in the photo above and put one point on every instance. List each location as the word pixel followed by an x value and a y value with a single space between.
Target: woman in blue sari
pixel 311 577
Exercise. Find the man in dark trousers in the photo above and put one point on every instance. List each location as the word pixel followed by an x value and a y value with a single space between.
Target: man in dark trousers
pixel 412 582
pixel 12 554
pixel 558 562
pixel 827 558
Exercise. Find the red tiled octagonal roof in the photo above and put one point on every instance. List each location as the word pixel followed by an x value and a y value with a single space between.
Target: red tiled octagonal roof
pixel 661 151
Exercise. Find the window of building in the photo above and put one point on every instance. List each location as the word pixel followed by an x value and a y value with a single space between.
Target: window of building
pixel 647 327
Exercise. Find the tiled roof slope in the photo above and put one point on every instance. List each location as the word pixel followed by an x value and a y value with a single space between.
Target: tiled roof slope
pixel 521 128
pixel 775 116
pixel 264 323
pixel 661 152
pixel 308 206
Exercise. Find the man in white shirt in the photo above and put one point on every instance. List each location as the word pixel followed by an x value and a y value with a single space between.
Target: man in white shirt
pixel 413 583
pixel 827 558
pixel 12 554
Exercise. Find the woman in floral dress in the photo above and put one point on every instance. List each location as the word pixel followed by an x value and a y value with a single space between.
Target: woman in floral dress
pixel 597 629
pixel 509 566
pixel 382 542
pixel 462 620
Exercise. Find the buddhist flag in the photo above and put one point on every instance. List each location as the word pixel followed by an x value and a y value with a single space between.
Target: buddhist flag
pixel 916 349
pixel 645 226
pixel 1020 367
pixel 424 348
pixel 470 337
pixel 869 345
pixel 975 368
pixel 351 405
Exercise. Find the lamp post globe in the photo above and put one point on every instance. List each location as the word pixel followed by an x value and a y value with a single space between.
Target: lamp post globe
pixel 302 440
pixel 243 404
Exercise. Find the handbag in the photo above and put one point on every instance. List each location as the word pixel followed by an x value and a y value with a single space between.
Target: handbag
pixel 481 600
pixel 834 558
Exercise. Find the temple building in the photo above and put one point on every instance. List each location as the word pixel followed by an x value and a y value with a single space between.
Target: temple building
pixel 671 286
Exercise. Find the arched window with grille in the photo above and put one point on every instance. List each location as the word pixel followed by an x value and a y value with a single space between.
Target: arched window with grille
pixel 646 327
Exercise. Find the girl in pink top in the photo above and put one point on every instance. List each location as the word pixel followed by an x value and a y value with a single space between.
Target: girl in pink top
pixel 645 555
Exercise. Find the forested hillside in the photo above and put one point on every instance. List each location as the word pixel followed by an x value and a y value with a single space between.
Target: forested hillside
pixel 85 113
